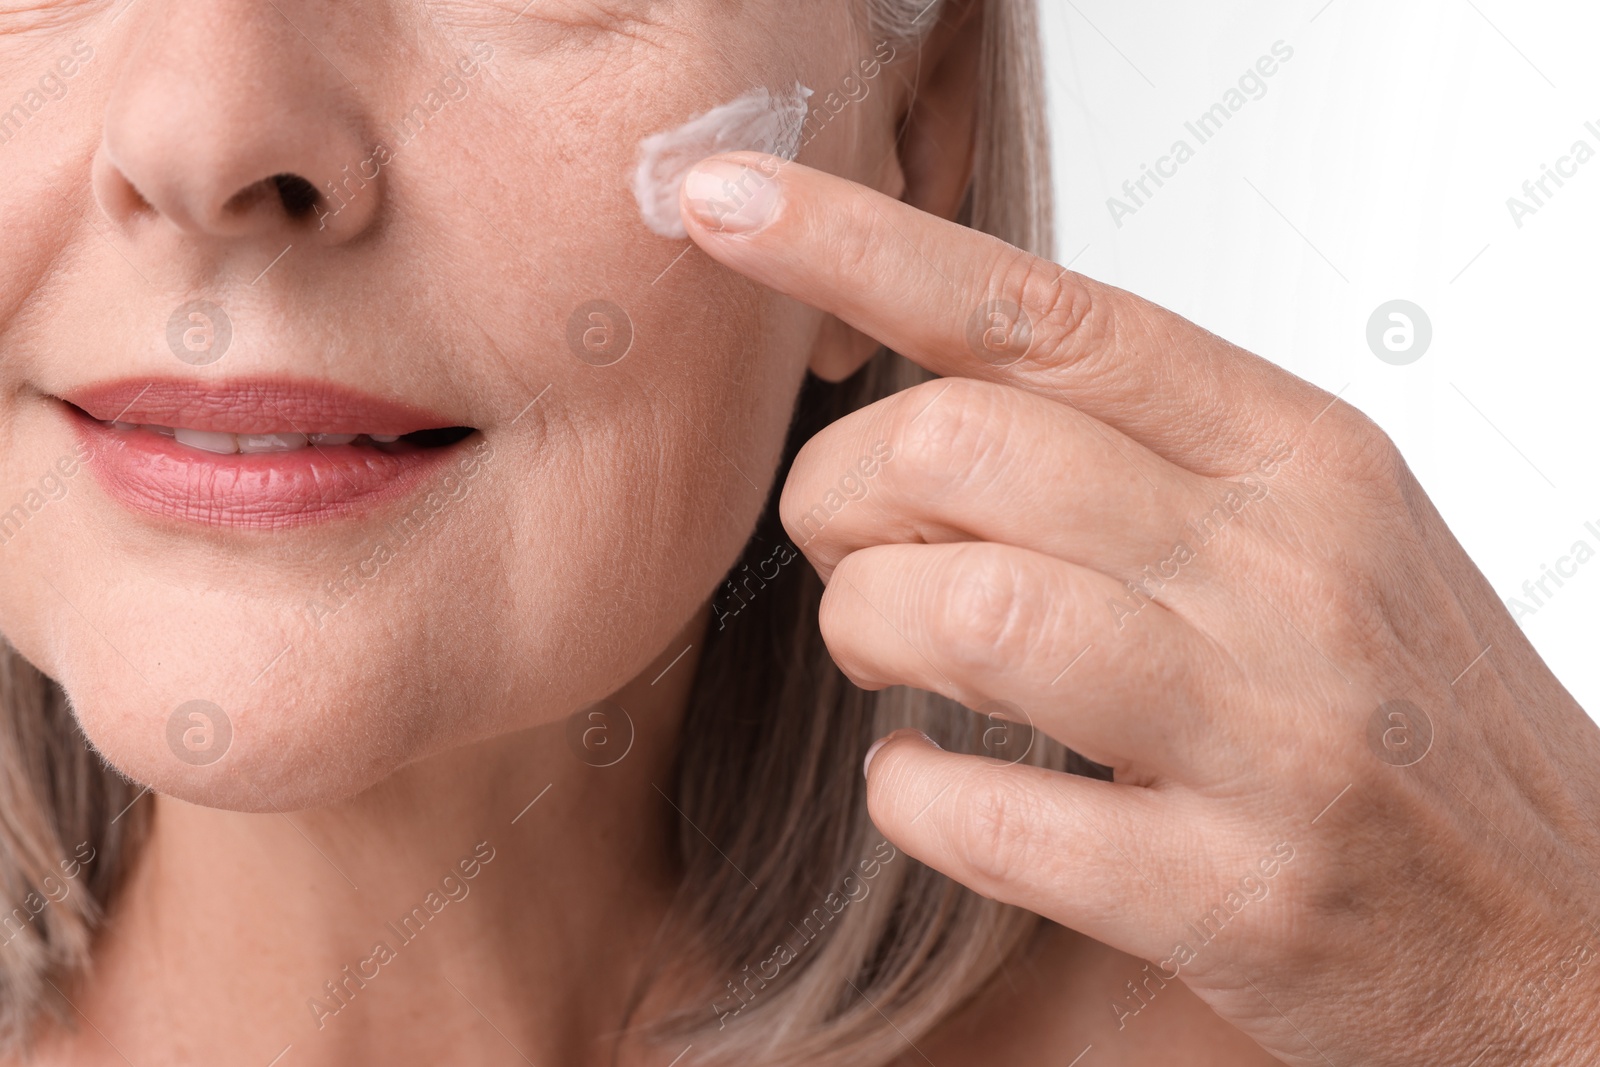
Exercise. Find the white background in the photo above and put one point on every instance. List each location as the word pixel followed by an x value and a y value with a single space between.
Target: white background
pixel 1376 167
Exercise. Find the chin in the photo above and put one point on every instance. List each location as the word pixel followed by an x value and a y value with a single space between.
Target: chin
pixel 203 733
pixel 233 633
pixel 237 700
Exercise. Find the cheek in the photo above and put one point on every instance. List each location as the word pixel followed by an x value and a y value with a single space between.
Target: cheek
pixel 654 389
pixel 670 379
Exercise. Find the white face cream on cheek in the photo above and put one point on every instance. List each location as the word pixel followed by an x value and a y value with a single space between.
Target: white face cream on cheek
pixel 760 120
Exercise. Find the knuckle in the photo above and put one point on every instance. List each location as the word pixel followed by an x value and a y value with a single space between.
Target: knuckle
pixel 857 238
pixel 996 828
pixel 800 508
pixel 948 429
pixel 821 481
pixel 1354 449
pixel 1351 614
pixel 831 611
pixel 839 619
pixel 791 498
pixel 1065 319
pixel 989 617
pixel 1379 496
pixel 852 578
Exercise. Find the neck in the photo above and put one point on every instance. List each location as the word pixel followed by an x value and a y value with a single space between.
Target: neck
pixel 489 904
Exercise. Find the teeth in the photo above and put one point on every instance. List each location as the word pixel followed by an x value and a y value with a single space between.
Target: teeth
pixel 228 444
pixel 224 443
pixel 271 442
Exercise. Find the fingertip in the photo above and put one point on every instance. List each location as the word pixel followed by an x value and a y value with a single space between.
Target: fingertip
pixel 866 764
pixel 906 733
pixel 736 193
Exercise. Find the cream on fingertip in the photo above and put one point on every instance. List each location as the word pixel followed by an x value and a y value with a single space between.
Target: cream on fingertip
pixel 731 198
pixel 760 120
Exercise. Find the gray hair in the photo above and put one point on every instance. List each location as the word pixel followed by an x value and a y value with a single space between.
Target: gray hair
pixel 780 791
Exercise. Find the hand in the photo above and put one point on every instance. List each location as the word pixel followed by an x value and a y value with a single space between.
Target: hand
pixel 1352 809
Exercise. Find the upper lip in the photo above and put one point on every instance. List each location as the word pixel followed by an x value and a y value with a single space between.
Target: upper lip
pixel 252 406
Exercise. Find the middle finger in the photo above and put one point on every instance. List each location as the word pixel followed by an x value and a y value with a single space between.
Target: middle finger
pixel 980 622
pixel 958 459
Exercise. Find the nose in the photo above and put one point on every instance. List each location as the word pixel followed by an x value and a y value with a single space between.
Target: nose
pixel 227 121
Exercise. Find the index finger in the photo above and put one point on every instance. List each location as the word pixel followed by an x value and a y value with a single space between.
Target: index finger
pixel 964 303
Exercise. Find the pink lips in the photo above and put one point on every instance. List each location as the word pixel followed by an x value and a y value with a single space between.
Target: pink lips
pixel 156 475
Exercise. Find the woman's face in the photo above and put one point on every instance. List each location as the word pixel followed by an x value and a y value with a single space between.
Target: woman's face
pixel 476 259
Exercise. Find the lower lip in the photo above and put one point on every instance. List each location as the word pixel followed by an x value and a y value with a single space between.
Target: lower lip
pixel 151 473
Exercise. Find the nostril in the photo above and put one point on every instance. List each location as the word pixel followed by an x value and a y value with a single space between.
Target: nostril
pixel 298 195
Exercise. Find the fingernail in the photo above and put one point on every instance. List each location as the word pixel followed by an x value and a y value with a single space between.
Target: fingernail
pixel 730 198
pixel 866 764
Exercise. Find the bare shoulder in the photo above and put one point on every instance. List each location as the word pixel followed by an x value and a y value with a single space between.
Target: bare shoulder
pixel 1069 994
